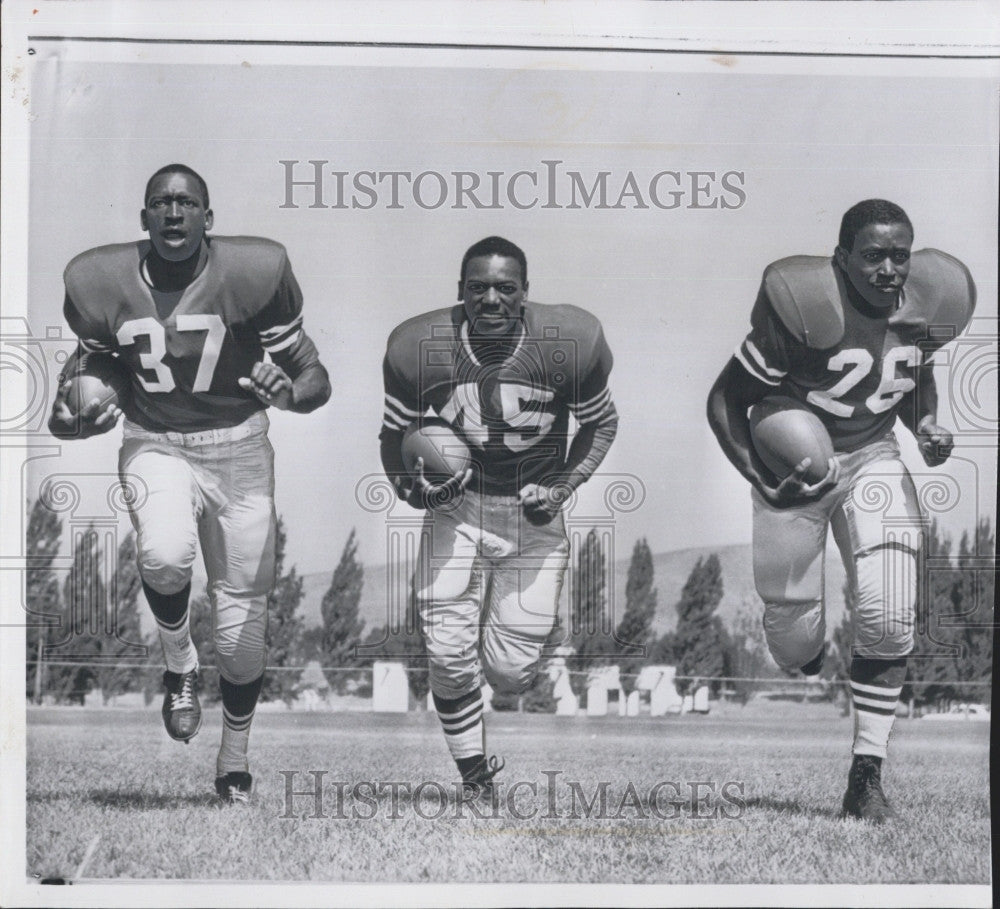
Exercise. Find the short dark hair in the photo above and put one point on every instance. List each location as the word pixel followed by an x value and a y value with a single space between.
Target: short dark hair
pixel 177 169
pixel 870 211
pixel 495 246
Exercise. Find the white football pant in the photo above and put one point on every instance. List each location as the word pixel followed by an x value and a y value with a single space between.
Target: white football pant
pixel 487 581
pixel 875 517
pixel 217 488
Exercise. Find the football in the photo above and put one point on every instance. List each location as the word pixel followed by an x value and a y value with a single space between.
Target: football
pixel 444 452
pixel 99 376
pixel 784 432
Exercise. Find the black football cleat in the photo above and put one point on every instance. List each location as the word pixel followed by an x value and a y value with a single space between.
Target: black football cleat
pixel 234 787
pixel 477 782
pixel 181 710
pixel 864 798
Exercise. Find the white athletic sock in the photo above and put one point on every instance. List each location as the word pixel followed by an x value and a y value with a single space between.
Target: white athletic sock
pixel 874 715
pixel 235 741
pixel 462 722
pixel 179 652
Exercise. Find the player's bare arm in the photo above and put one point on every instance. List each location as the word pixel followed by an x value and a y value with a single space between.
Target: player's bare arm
pixel 918 412
pixel 733 394
pixel 296 381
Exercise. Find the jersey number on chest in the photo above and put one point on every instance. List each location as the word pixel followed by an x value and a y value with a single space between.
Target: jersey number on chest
pixel 152 361
pixel 856 364
pixel 527 426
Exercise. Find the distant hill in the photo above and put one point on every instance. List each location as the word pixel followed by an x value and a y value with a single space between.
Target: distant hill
pixel 670 571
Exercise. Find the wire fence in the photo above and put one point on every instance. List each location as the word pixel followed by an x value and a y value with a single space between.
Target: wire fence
pixel 313 686
pixel 316 667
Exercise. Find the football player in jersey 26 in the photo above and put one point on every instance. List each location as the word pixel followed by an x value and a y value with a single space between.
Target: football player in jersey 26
pixel 210 330
pixel 506 374
pixel 851 337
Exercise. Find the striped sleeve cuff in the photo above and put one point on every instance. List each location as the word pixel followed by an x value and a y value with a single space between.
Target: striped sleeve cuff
pixel 594 409
pixel 754 363
pixel 90 345
pixel 397 415
pixel 281 337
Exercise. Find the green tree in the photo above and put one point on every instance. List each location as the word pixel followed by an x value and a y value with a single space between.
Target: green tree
pixel 954 617
pixel 42 603
pixel 634 633
pixel 404 644
pixel 342 628
pixel 663 651
pixel 284 626
pixel 974 612
pixel 85 617
pixel 699 637
pixel 589 626
pixel 746 649
pixel 122 641
pixel 539 698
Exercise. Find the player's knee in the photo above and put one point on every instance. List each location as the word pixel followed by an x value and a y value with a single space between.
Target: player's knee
pixel 795 631
pixel 510 679
pixel 166 565
pixel 510 661
pixel 240 638
pixel 451 678
pixel 884 615
pixel 240 663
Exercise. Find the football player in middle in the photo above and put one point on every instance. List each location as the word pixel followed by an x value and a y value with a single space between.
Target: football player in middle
pixel 505 374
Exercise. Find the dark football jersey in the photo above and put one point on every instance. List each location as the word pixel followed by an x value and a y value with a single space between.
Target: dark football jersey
pixel 856 380
pixel 186 350
pixel 510 402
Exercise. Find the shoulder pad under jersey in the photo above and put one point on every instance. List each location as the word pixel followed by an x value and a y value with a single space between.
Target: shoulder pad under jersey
pixel 434 329
pixel 253 266
pixel 807 293
pixel 939 290
pixel 562 320
pixel 94 271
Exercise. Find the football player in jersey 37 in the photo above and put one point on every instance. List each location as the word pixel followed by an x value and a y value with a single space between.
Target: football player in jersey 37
pixel 506 374
pixel 852 338
pixel 210 331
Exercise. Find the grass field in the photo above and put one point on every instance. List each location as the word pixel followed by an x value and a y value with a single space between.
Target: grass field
pixel 114 774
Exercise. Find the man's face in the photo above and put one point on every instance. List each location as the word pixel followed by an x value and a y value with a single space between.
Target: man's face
pixel 492 292
pixel 878 264
pixel 175 216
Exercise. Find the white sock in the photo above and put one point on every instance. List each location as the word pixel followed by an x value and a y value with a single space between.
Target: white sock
pixel 874 715
pixel 179 652
pixel 462 722
pixel 235 741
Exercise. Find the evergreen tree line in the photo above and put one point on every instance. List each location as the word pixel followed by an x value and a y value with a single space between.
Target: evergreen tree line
pixel 85 634
pixel 93 617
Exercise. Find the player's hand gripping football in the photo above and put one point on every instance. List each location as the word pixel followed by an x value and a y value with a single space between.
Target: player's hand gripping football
pixel 935 442
pixel 542 503
pixel 419 492
pixel 271 384
pixel 794 490
pixel 90 421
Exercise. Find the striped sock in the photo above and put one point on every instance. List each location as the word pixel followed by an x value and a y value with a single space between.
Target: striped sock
pixel 171 613
pixel 875 690
pixel 462 722
pixel 238 705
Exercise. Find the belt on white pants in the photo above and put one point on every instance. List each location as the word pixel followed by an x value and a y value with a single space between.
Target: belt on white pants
pixel 255 424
